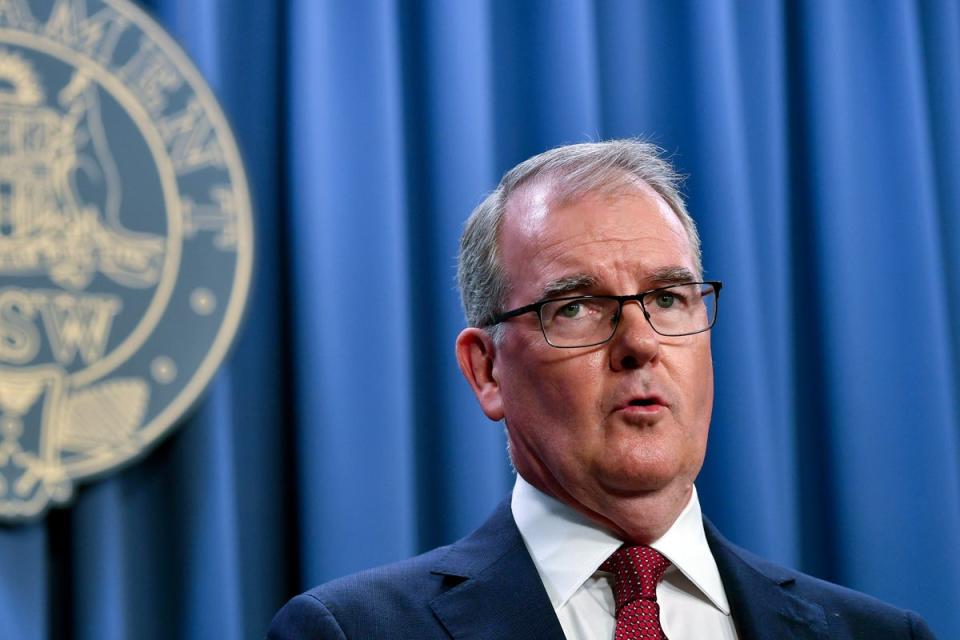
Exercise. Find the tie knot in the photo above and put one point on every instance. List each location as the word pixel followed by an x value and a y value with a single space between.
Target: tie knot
pixel 636 573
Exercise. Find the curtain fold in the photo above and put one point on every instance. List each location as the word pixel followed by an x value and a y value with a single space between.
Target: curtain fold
pixel 450 162
pixel 351 288
pixel 821 142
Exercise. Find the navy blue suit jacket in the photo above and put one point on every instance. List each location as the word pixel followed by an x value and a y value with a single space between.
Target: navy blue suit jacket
pixel 486 586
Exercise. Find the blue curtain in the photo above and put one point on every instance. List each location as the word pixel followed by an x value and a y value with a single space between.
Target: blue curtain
pixel 822 144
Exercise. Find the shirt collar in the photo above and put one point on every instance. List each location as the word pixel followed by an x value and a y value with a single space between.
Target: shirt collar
pixel 567 548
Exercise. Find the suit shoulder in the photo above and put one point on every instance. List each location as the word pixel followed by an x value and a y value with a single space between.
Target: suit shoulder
pixel 848 613
pixel 397 600
pixel 304 617
pixel 859 612
pixel 408 579
pixel 388 601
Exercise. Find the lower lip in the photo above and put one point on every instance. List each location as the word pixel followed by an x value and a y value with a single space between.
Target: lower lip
pixel 642 410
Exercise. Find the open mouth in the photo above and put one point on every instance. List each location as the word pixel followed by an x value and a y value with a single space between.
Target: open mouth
pixel 643 405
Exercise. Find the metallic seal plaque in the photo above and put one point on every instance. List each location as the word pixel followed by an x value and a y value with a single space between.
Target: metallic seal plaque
pixel 125 242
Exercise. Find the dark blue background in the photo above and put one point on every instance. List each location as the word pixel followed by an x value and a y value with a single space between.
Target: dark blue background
pixel 822 144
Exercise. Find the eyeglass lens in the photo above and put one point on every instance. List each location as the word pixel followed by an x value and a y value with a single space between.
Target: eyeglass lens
pixel 671 311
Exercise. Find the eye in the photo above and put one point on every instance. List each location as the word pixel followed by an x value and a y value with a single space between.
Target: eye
pixel 665 299
pixel 570 310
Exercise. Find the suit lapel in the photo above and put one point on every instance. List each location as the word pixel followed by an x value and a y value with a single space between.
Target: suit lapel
pixel 759 594
pixel 499 594
pixel 496 591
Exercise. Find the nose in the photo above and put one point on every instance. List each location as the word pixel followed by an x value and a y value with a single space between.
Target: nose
pixel 635 343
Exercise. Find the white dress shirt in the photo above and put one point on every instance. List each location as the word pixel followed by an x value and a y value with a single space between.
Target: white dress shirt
pixel 567 550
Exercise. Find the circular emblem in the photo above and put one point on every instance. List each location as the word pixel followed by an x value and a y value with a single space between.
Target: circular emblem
pixel 125 242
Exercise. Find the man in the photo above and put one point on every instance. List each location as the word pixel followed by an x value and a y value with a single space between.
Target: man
pixel 589 337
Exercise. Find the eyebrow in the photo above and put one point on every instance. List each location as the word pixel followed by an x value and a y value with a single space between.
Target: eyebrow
pixel 667 276
pixel 568 284
pixel 663 277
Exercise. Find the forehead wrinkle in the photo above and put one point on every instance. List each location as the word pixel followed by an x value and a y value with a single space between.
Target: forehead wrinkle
pixel 663 276
pixel 566 255
pixel 573 274
pixel 559 248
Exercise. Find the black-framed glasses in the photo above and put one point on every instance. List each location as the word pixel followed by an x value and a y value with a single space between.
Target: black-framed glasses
pixel 587 321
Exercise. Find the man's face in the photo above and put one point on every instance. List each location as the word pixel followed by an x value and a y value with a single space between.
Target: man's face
pixel 598 427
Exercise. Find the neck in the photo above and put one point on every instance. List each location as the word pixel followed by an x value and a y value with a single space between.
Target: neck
pixel 637 518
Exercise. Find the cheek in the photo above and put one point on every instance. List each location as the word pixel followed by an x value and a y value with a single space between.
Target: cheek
pixel 573 387
pixel 560 392
pixel 703 400
pixel 702 377
pixel 540 397
pixel 693 374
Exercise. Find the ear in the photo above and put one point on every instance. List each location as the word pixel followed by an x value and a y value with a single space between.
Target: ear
pixel 475 355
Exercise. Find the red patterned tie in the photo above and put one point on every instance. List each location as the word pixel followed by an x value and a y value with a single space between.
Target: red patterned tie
pixel 636 572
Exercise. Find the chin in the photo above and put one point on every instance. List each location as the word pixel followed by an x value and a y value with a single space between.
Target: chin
pixel 644 480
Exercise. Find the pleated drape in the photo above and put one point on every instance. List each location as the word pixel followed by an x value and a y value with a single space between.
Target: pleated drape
pixel 821 141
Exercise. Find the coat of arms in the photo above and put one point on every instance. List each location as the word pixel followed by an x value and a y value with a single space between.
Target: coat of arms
pixel 125 242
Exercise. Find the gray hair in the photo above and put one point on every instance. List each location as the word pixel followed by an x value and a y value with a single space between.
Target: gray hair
pixel 573 171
